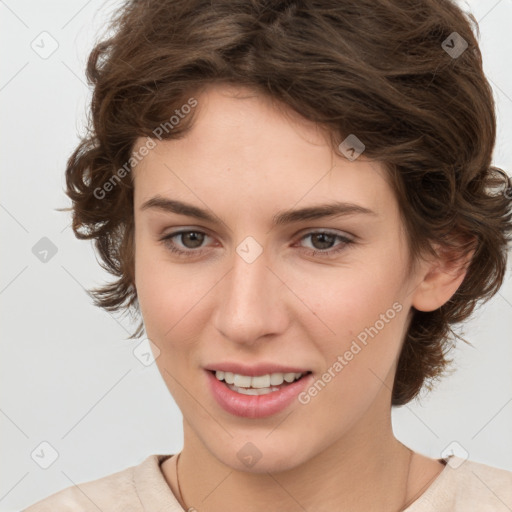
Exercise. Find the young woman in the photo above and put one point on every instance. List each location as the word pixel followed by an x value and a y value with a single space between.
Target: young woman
pixel 298 197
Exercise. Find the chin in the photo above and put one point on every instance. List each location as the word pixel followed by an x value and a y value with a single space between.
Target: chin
pixel 260 453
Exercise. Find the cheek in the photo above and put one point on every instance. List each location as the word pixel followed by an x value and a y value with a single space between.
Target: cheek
pixel 359 316
pixel 170 298
pixel 348 300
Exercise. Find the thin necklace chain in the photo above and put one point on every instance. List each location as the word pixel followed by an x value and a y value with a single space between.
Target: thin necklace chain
pixel 401 509
pixel 178 480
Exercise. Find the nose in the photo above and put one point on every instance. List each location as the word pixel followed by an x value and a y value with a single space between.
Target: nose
pixel 252 302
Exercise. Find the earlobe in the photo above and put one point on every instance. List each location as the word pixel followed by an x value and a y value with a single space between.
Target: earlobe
pixel 440 281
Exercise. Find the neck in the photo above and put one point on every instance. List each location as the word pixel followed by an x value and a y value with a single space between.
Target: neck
pixel 366 470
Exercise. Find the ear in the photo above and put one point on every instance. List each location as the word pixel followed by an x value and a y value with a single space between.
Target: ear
pixel 439 279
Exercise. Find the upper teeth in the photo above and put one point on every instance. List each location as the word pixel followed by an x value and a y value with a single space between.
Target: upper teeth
pixel 260 381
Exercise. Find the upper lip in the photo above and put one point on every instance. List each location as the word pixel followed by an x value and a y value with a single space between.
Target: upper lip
pixel 255 369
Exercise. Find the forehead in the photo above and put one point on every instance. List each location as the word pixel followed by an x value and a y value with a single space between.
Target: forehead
pixel 242 141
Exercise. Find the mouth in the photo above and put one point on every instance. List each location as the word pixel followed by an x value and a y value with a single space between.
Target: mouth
pixel 257 385
pixel 258 395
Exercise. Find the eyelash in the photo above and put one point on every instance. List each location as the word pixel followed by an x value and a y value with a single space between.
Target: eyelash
pixel 346 242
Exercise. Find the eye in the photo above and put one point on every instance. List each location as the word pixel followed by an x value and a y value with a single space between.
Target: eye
pixel 323 243
pixel 185 242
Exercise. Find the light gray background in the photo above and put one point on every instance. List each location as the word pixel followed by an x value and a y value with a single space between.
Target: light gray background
pixel 68 374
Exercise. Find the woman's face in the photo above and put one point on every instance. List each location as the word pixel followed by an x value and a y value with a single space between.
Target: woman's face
pixel 259 289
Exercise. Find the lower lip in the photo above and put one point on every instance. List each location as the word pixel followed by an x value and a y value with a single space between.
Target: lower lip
pixel 255 406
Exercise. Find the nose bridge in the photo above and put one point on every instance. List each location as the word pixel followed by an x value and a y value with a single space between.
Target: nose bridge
pixel 248 306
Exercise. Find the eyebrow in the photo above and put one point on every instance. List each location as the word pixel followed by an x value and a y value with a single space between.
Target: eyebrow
pixel 334 209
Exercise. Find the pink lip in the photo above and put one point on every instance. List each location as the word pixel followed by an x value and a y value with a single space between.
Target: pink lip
pixel 256 406
pixel 258 369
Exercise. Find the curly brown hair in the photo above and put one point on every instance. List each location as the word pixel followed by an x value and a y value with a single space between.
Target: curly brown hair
pixel 405 76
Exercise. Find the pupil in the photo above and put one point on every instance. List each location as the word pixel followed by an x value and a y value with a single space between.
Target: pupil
pixel 194 237
pixel 326 240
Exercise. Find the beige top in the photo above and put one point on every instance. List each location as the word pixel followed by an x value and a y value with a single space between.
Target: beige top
pixel 461 486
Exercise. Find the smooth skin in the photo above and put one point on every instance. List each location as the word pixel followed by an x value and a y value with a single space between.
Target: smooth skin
pixel 246 159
